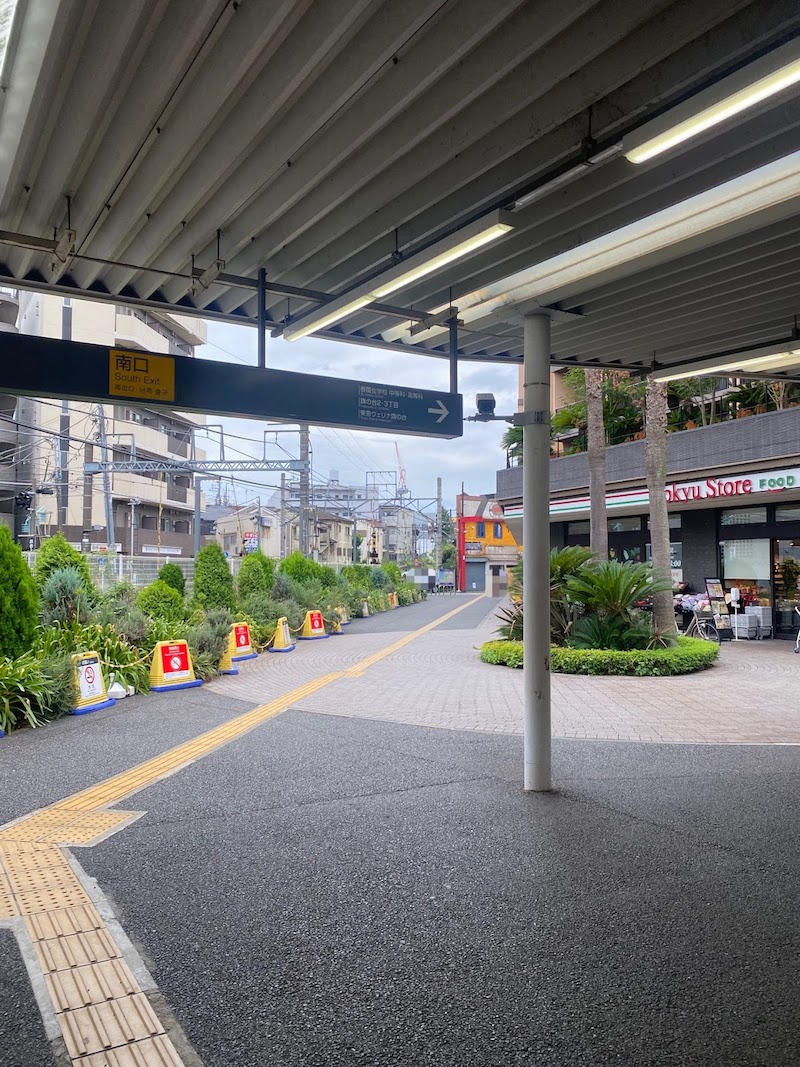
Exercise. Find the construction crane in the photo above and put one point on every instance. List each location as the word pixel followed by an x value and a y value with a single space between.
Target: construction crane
pixel 402 488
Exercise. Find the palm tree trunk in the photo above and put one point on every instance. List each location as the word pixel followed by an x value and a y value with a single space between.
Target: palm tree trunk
pixel 596 449
pixel 656 465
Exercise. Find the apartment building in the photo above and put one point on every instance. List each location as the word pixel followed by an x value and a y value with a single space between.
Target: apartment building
pixel 153 514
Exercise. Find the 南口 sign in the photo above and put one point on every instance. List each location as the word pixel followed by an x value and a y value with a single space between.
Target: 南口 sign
pixel 73 370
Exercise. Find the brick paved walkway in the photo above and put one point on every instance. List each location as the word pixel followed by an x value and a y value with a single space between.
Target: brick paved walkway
pixel 752 697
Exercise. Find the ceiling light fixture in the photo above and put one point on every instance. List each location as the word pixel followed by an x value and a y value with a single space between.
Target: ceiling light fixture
pixel 756 361
pixel 461 243
pixel 764 188
pixel 759 80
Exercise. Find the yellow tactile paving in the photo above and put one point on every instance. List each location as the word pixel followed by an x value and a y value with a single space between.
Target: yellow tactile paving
pixel 99 1027
pixel 45 925
pixel 93 984
pixel 38 900
pixel 153 1052
pixel 8 909
pixel 76 950
pixel 105 1018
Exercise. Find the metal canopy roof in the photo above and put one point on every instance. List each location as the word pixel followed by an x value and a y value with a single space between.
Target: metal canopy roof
pixel 319 139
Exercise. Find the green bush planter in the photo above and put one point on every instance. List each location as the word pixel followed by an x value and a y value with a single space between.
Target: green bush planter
pixel 690 654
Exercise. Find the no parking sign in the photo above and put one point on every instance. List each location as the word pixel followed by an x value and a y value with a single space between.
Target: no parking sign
pixel 90 685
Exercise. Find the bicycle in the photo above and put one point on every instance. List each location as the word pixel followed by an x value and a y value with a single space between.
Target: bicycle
pixel 702 628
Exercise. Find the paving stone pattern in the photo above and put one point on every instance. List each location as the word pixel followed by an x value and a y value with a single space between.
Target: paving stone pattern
pixel 438 680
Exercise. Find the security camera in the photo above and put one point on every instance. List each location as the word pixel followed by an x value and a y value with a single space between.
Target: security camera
pixel 485 402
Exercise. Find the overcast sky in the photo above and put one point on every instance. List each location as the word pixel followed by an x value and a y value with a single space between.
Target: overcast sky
pixel 473 458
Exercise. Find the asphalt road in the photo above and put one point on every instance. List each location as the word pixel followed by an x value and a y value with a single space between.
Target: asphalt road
pixel 337 891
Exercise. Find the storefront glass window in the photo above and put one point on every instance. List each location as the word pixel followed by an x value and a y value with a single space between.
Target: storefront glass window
pixel 625 524
pixel 747 565
pixel 674 521
pixel 787 580
pixel 787 513
pixel 742 517
pixel 675 559
pixel 626 555
pixel 576 528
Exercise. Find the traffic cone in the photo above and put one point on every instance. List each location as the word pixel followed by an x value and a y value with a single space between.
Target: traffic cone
pixel 313 627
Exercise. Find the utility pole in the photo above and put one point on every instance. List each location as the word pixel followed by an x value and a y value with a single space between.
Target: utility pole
pixel 438 528
pixel 133 502
pixel 283 516
pixel 304 545
pixel 111 538
pixel 62 508
pixel 198 485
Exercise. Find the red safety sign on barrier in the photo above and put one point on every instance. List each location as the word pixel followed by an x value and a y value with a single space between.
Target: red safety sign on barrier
pixel 175 660
pixel 242 633
pixel 315 619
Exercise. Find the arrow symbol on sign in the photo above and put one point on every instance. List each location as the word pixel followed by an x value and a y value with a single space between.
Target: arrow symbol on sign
pixel 440 410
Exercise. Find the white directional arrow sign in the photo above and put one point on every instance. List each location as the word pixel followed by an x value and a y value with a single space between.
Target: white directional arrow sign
pixel 439 410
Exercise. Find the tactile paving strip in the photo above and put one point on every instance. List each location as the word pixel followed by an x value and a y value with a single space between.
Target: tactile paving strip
pixel 51 899
pixel 8 909
pixel 63 922
pixel 105 1026
pixel 81 986
pixel 153 1052
pixel 76 950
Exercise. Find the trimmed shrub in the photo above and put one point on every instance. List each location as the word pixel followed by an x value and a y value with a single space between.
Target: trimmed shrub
pixel 18 598
pixel 55 554
pixel 64 598
pixel 173 575
pixel 161 601
pixel 301 569
pixel 252 576
pixel 394 573
pixel 690 654
pixel 213 581
pixel 207 642
pixel 268 567
pixel 379 579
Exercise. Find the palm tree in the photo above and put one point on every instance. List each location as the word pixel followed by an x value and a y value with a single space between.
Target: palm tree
pixel 596 449
pixel 512 443
pixel 656 465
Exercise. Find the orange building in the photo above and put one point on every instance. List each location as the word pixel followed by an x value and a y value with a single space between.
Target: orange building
pixel 486 547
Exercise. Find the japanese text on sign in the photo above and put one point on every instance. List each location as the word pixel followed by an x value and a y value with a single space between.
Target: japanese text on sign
pixel 141 375
pixel 381 403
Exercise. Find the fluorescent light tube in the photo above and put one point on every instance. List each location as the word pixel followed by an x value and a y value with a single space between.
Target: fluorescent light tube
pixel 765 187
pixel 459 244
pixel 738 365
pixel 766 76
pixel 318 320
pixel 428 266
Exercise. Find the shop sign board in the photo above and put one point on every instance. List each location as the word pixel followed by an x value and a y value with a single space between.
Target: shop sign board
pixel 724 489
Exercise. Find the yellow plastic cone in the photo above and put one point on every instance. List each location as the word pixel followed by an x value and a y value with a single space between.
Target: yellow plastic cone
pixel 172 667
pixel 282 641
pixel 313 627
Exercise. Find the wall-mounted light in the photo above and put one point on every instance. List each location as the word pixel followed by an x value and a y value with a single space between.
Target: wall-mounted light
pixel 759 80
pixel 461 243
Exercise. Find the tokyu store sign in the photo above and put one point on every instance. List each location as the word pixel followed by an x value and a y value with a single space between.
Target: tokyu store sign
pixel 719 488
pixel 726 490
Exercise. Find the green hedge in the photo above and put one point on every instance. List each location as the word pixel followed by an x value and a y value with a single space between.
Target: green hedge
pixel 690 654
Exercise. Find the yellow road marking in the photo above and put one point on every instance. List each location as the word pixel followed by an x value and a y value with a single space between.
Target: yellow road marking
pixel 105 1018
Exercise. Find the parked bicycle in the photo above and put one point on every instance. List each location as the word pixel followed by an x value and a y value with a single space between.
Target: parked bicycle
pixel 702 627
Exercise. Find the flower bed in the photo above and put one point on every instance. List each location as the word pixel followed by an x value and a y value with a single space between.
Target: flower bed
pixel 690 654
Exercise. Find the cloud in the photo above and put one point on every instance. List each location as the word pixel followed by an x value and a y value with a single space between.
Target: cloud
pixel 472 459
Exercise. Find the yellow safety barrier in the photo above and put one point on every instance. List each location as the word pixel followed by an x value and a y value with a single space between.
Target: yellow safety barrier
pixel 239 643
pixel 172 667
pixel 89 684
pixel 282 641
pixel 313 627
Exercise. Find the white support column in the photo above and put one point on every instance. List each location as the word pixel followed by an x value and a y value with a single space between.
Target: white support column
pixel 536 551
